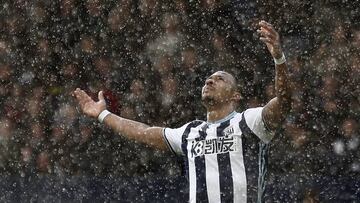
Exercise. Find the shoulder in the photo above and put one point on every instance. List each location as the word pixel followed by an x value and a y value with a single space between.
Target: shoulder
pixel 192 124
pixel 196 122
pixel 187 126
pixel 253 109
pixel 252 112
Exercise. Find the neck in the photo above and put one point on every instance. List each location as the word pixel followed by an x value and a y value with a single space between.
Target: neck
pixel 219 112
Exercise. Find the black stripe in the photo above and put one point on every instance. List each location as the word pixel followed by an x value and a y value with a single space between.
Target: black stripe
pixel 193 124
pixel 184 144
pixel 250 144
pixel 225 174
pixel 201 188
pixel 245 128
pixel 264 148
pixel 200 168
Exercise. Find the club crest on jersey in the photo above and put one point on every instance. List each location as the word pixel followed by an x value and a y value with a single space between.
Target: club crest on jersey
pixel 217 145
pixel 228 131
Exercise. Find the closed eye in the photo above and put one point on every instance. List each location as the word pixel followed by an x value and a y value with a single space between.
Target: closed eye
pixel 220 78
pixel 215 78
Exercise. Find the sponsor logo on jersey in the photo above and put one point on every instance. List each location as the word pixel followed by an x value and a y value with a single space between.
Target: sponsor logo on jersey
pixel 217 145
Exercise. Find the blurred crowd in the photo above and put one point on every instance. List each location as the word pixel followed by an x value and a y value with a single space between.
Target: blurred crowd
pixel 151 58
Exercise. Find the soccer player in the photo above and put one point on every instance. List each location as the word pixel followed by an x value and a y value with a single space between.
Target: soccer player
pixel 225 155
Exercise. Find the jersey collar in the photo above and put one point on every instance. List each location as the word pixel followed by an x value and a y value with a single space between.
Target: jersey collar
pixel 230 116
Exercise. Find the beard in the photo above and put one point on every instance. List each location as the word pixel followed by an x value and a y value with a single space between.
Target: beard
pixel 208 101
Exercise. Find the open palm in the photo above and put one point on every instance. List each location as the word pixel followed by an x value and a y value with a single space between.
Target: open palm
pixel 271 38
pixel 88 105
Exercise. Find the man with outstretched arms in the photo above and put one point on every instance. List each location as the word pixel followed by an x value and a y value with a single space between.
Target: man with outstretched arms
pixel 225 155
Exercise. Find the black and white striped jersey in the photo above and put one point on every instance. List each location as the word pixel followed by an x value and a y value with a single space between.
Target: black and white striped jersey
pixel 225 160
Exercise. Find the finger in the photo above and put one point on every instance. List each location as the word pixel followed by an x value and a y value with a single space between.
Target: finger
pixel 267 26
pixel 80 99
pixel 267 34
pixel 101 96
pixel 81 96
pixel 267 40
pixel 84 96
pixel 271 31
pixel 75 92
pixel 272 35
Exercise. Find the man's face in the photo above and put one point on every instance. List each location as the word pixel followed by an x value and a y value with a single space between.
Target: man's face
pixel 218 88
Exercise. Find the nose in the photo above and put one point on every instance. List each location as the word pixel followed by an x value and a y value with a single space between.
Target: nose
pixel 209 81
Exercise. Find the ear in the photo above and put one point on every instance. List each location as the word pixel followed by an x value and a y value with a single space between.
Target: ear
pixel 236 97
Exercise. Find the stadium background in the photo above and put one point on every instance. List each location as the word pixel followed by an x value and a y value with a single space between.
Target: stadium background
pixel 151 58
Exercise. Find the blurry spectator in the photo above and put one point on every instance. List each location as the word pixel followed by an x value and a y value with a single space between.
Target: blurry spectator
pixel 164 66
pixel 6 129
pixel 94 7
pixel 27 166
pixel 67 7
pixel 120 16
pixel 168 93
pixel 37 135
pixel 311 196
pixel 43 162
pixel 299 135
pixel 223 58
pixel 191 74
pixel 346 146
pixel 136 101
pixel 356 39
pixel 148 8
pixel 169 42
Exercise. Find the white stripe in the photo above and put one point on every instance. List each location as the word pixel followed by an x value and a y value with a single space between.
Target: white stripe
pixel 237 165
pixel 212 178
pixel 192 172
pixel 239 175
pixel 254 121
pixel 212 169
pixel 167 141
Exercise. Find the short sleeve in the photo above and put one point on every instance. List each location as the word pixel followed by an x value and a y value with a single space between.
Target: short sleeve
pixel 173 137
pixel 254 121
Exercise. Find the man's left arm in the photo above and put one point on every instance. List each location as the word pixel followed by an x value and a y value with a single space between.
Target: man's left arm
pixel 276 110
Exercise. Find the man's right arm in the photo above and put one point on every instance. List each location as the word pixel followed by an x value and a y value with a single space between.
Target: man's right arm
pixel 140 132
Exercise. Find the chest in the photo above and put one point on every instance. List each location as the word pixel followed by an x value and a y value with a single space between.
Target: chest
pixel 213 139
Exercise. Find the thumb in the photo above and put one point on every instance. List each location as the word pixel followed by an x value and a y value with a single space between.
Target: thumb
pixel 101 96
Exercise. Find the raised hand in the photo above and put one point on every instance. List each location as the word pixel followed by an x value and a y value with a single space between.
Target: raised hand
pixel 88 105
pixel 271 38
